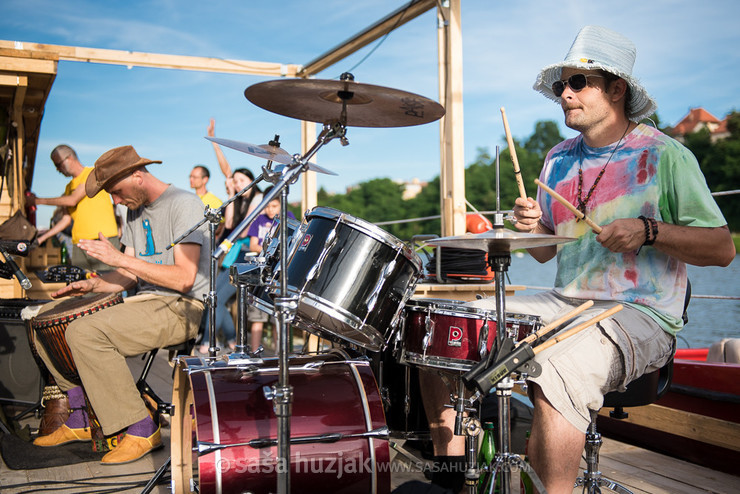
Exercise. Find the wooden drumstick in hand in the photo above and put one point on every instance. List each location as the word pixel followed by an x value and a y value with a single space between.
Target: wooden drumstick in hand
pixel 562 200
pixel 512 151
pixel 576 329
pixel 546 329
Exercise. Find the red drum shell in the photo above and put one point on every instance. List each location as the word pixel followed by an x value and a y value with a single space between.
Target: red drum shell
pixel 457 329
pixel 226 405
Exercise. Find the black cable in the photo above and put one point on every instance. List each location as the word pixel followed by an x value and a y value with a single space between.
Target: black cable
pixel 103 487
pixel 381 41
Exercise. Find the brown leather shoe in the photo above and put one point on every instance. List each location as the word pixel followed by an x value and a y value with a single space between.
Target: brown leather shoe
pixel 64 435
pixel 132 448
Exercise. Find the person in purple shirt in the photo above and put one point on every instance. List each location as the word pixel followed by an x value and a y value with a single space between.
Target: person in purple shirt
pixel 256 233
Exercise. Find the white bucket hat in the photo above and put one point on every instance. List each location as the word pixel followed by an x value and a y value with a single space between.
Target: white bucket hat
pixel 597 47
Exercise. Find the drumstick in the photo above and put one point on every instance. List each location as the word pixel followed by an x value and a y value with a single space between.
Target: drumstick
pixel 546 329
pixel 562 200
pixel 512 151
pixel 576 329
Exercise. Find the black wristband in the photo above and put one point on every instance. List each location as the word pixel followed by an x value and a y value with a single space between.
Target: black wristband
pixel 653 230
pixel 646 224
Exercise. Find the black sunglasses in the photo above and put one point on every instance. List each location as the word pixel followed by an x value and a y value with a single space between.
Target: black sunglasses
pixel 576 83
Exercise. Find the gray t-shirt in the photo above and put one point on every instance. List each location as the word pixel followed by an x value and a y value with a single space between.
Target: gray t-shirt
pixel 152 228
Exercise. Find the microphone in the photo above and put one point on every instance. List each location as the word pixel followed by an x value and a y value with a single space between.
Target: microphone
pixel 20 276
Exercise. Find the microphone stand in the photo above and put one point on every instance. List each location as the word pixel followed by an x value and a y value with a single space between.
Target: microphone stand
pixel 213 217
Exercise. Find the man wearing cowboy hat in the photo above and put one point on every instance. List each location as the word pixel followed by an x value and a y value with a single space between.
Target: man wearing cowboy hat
pixel 648 194
pixel 165 311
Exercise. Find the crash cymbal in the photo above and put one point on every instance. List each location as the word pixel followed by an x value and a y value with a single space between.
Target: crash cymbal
pixel 266 151
pixel 499 240
pixel 317 100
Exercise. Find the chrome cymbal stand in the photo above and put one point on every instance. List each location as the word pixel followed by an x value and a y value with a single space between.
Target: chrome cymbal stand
pixel 285 306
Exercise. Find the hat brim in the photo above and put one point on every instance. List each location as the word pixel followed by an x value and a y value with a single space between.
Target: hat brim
pixel 93 186
pixel 641 105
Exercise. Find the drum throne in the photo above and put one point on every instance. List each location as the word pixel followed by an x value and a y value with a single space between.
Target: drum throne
pixel 644 390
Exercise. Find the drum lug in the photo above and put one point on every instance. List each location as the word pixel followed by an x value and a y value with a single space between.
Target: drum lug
pixel 373 299
pixel 331 239
pixel 483 339
pixel 427 340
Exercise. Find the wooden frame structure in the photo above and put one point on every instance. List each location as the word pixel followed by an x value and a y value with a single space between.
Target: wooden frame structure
pixel 27 72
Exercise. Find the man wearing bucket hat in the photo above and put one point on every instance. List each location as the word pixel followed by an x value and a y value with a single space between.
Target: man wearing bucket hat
pixel 648 194
pixel 165 311
pixel 657 215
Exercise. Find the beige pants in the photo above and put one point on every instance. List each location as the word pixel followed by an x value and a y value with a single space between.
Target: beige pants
pixel 578 371
pixel 100 343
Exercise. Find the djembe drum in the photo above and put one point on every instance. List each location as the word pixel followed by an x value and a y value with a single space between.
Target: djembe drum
pixel 48 328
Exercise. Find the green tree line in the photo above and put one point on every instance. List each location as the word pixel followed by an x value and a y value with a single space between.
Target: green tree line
pixel 380 199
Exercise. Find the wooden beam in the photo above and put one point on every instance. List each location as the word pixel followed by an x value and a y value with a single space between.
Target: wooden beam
pixel 309 196
pixel 686 424
pixel 156 60
pixel 14 64
pixel 452 156
pixel 385 25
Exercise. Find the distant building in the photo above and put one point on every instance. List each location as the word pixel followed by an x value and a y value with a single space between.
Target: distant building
pixel 698 119
pixel 411 189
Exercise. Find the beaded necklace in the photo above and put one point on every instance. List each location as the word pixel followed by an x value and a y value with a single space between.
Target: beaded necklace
pixel 581 206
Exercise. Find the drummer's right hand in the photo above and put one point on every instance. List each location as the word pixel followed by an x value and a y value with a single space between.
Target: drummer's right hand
pixel 75 288
pixel 527 213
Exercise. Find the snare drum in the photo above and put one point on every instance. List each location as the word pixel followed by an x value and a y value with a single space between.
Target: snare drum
pixel 351 278
pixel 50 326
pixel 446 334
pixel 227 405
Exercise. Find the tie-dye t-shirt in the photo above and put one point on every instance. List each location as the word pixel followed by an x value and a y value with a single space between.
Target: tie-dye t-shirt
pixel 650 174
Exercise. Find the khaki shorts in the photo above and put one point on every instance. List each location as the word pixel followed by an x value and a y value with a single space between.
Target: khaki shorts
pixel 577 372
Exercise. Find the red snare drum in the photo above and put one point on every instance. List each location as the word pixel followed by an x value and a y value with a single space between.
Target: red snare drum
pixel 449 335
pixel 222 404
pixel 50 325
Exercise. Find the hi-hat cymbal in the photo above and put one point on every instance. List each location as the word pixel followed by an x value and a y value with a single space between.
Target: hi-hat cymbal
pixel 266 151
pixel 317 100
pixel 499 240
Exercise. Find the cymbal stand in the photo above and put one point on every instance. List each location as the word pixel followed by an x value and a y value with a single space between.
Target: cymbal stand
pixel 499 261
pixel 213 216
pixel 285 306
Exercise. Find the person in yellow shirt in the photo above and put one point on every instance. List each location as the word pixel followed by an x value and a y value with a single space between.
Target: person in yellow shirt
pixel 198 180
pixel 90 217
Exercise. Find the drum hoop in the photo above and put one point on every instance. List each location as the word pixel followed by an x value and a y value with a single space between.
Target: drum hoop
pixel 447 307
pixel 369 229
pixel 94 304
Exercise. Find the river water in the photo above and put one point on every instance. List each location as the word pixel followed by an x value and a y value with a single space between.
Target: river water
pixel 709 319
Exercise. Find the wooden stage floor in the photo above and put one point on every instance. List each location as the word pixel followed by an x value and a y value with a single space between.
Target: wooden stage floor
pixel 640 470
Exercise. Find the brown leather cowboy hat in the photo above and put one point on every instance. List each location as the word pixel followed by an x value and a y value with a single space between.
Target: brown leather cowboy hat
pixel 112 166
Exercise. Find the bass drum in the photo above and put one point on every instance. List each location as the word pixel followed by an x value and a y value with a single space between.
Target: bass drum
pixel 227 405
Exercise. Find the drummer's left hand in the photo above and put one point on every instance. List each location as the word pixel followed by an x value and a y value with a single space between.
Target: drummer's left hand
pixel 623 235
pixel 102 250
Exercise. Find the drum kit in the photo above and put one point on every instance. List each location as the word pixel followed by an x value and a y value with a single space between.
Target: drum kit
pixel 351 283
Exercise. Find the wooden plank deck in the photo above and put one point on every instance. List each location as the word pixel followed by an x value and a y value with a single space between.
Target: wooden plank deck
pixel 642 471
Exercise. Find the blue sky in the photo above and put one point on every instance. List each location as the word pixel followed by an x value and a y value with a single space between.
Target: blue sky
pixel 688 56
